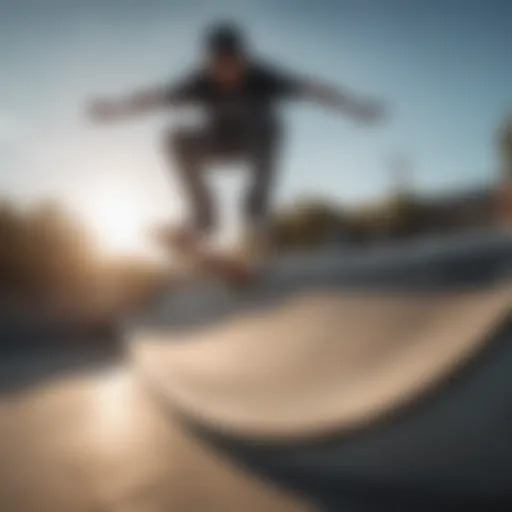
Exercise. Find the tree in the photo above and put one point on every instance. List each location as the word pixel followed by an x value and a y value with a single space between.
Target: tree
pixel 402 215
pixel 13 247
pixel 61 256
pixel 406 215
pixel 309 223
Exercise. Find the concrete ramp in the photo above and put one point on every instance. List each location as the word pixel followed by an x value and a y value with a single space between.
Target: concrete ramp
pixel 319 363
pixel 327 342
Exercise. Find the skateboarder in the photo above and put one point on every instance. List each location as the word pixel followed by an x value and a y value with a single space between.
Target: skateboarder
pixel 238 94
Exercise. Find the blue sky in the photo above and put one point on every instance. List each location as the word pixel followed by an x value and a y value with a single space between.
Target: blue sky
pixel 442 65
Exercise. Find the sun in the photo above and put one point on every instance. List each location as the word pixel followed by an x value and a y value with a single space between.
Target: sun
pixel 118 222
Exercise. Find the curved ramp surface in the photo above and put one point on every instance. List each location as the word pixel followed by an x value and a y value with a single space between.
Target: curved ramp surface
pixel 308 353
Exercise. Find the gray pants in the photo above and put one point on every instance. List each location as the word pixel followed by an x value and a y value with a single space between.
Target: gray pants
pixel 193 151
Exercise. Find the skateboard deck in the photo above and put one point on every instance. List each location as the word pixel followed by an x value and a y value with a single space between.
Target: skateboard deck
pixel 236 272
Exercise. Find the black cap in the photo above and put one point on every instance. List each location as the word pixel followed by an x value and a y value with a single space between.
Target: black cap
pixel 225 39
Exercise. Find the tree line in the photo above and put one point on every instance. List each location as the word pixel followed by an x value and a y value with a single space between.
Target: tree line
pixel 311 222
pixel 48 256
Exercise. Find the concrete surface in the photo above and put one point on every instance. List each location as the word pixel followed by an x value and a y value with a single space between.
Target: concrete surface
pixel 96 443
pixel 96 439
pixel 446 450
pixel 320 362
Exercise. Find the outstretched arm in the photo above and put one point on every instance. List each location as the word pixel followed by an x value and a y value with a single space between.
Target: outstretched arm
pixel 145 101
pixel 135 104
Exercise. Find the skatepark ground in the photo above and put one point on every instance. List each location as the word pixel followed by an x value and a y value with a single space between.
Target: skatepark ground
pixel 95 434
pixel 98 443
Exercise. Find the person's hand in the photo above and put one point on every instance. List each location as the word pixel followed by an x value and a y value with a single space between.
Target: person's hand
pixel 370 112
pixel 101 110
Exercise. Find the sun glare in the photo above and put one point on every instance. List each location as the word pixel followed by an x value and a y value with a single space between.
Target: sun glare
pixel 119 223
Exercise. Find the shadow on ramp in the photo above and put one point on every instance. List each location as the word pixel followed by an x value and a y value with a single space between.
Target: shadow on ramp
pixel 447 451
pixel 34 351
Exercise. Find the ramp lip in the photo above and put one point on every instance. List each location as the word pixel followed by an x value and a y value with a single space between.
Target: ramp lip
pixel 423 265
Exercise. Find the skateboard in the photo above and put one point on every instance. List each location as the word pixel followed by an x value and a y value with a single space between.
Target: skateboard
pixel 235 272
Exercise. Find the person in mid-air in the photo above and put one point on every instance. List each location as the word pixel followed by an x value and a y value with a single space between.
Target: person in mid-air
pixel 238 93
